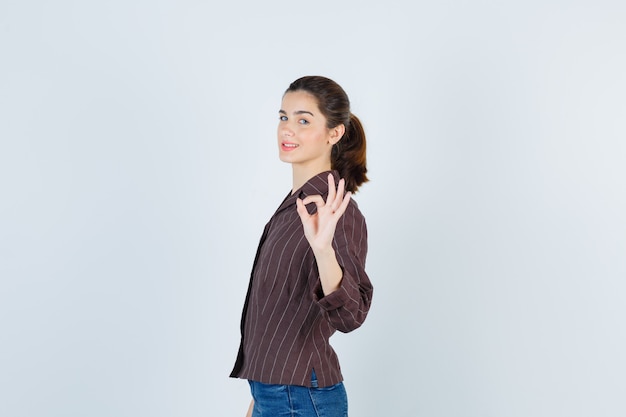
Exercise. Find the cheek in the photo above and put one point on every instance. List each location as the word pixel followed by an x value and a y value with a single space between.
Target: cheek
pixel 322 138
pixel 315 137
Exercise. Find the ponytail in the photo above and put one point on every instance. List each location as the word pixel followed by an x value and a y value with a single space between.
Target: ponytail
pixel 348 155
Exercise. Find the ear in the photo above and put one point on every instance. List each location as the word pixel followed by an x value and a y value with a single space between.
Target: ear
pixel 336 133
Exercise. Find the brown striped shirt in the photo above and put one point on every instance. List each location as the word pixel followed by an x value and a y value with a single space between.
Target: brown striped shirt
pixel 287 320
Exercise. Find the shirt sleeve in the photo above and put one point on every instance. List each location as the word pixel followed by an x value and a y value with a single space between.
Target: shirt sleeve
pixel 347 307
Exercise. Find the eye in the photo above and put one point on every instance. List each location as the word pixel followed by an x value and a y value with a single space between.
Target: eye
pixel 303 122
pixel 282 118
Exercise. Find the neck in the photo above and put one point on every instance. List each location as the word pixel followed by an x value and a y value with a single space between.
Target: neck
pixel 301 174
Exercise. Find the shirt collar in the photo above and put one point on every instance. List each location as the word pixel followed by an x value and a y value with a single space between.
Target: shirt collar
pixel 317 185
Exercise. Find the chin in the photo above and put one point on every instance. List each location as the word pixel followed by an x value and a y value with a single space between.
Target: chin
pixel 285 158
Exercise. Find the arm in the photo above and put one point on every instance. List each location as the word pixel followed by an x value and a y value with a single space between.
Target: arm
pixel 347 307
pixel 344 290
pixel 319 229
pixel 329 269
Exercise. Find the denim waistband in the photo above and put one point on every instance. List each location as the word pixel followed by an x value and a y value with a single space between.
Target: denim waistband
pixel 271 400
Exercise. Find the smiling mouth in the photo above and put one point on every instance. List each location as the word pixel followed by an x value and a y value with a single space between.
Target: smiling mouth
pixel 290 145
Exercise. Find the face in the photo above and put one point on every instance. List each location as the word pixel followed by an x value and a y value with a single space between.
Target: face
pixel 303 138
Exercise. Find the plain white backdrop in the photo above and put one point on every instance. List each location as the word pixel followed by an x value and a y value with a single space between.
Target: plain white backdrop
pixel 138 166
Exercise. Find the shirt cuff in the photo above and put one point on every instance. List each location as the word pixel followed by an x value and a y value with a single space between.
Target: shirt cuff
pixel 334 300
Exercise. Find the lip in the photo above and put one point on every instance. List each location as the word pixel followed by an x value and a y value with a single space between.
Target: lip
pixel 288 146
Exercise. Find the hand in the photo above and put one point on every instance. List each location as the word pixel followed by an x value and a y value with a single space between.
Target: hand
pixel 250 408
pixel 319 228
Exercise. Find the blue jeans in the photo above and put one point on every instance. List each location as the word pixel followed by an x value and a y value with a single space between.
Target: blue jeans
pixel 272 400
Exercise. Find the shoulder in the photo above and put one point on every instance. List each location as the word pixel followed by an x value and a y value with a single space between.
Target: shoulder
pixel 353 217
pixel 353 209
pixel 351 230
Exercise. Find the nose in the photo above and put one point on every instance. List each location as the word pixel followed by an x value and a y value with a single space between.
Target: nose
pixel 286 131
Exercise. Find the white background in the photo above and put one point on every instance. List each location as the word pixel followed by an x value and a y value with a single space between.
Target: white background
pixel 138 166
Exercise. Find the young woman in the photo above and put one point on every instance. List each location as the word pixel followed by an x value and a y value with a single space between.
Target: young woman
pixel 308 278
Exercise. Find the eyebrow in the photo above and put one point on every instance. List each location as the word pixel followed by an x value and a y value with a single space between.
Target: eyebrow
pixel 297 112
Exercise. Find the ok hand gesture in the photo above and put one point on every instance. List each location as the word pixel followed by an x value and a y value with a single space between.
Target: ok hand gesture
pixel 319 228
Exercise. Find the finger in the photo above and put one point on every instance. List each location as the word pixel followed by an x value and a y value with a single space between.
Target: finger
pixel 335 202
pixel 317 199
pixel 339 197
pixel 301 209
pixel 344 204
pixel 331 188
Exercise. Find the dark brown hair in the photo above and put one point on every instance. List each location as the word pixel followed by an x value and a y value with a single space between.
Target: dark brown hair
pixel 347 155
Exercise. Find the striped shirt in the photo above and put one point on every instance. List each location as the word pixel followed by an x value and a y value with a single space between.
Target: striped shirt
pixel 287 320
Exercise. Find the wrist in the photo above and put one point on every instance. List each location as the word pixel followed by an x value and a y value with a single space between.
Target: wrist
pixel 326 252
